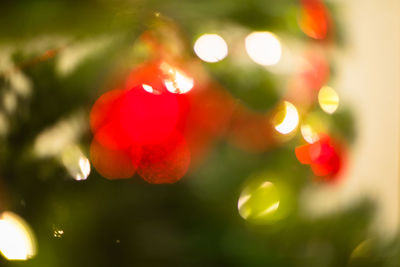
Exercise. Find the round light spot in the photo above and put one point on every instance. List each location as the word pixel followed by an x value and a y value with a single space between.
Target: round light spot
pixel 259 201
pixel 308 133
pixel 211 48
pixel 313 125
pixel 263 48
pixel 286 118
pixel 328 99
pixel 17 241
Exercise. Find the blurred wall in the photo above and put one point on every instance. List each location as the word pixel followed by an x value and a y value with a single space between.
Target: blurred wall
pixel 369 82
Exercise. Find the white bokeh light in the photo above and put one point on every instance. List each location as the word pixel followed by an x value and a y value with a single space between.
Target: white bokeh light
pixel 17 241
pixel 264 48
pixel 211 48
pixel 177 82
pixel 149 88
pixel 76 163
pixel 290 120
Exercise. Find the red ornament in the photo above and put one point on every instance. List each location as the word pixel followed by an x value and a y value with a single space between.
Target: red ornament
pixel 138 128
pixel 114 164
pixel 103 109
pixel 147 118
pixel 167 162
pixel 160 120
pixel 147 74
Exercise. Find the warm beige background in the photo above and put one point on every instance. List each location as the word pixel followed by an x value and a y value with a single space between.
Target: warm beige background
pixel 369 81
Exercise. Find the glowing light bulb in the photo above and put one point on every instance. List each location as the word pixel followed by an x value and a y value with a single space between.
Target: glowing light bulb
pixel 17 241
pixel 211 48
pixel 328 99
pixel 264 48
pixel 259 201
pixel 177 82
pixel 290 118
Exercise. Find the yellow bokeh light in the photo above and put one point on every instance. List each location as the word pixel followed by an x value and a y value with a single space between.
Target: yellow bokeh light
pixel 362 252
pixel 290 119
pixel 177 82
pixel 17 241
pixel 76 163
pixel 313 125
pixel 264 48
pixel 259 201
pixel 58 233
pixel 328 99
pixel 84 166
pixel 211 48
pixel 308 133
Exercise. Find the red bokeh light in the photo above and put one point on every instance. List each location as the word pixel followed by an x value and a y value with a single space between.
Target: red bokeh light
pixel 138 128
pixel 312 74
pixel 315 72
pixel 303 154
pixel 324 157
pixel 167 162
pixel 314 19
pixel 147 118
pixel 111 136
pixel 102 110
pixel 103 122
pixel 112 163
pixel 170 130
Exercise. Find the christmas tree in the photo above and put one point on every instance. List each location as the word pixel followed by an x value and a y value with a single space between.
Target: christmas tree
pixel 174 133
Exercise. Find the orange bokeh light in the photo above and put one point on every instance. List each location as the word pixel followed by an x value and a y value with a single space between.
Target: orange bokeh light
pixel 324 156
pixel 314 19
